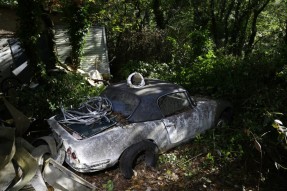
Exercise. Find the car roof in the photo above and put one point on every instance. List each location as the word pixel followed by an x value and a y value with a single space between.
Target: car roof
pixel 148 95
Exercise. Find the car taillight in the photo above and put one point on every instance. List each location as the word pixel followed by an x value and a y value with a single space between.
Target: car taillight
pixel 74 156
pixel 69 151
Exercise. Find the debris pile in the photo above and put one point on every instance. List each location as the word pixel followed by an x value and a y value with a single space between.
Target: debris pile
pixel 24 165
pixel 89 112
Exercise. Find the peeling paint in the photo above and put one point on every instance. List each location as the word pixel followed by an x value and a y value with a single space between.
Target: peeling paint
pixel 146 122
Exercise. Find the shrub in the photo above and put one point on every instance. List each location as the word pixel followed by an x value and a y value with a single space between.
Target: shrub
pixel 63 90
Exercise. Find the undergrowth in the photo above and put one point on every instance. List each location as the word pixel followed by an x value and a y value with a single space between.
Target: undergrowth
pixel 61 90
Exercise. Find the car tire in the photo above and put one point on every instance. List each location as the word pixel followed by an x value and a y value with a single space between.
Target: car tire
pixel 225 118
pixel 129 157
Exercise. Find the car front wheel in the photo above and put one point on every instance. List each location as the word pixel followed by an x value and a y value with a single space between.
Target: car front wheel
pixel 128 160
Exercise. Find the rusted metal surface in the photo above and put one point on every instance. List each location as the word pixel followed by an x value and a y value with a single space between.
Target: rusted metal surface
pixel 63 179
pixel 146 121
pixel 21 121
pixel 7 145
pixel 6 59
pixel 22 164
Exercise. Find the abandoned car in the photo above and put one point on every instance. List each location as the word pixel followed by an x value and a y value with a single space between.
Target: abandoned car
pixel 126 122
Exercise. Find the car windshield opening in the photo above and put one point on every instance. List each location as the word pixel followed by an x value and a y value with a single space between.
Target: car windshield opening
pixel 82 131
pixel 90 118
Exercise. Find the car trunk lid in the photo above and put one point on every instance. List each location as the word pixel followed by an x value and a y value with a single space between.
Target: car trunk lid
pixel 83 131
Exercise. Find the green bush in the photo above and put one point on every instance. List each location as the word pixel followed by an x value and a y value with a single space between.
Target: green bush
pixel 146 46
pixel 63 90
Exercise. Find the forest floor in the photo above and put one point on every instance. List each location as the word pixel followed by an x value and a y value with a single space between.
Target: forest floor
pixel 213 161
pixel 193 166
pixel 192 173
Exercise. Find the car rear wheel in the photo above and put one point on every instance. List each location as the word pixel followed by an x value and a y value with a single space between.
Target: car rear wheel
pixel 128 160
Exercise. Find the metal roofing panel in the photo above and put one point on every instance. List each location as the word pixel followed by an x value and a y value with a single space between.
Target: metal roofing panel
pixel 95 54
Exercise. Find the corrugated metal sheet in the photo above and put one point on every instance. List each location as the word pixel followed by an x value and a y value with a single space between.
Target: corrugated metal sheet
pixel 62 43
pixel 95 54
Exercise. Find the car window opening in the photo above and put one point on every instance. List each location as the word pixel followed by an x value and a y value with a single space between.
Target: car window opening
pixel 174 103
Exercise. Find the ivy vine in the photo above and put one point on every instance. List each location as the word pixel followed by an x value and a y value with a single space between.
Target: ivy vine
pixel 77 17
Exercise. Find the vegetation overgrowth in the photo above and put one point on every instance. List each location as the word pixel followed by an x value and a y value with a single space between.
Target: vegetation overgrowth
pixel 227 49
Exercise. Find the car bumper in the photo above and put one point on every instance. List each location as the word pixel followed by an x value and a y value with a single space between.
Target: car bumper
pixel 92 167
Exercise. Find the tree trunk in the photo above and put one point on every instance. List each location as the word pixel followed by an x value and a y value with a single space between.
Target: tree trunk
pixel 158 14
pixel 252 36
pixel 225 22
pixel 214 24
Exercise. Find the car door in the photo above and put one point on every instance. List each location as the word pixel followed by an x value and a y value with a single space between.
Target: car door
pixel 181 119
